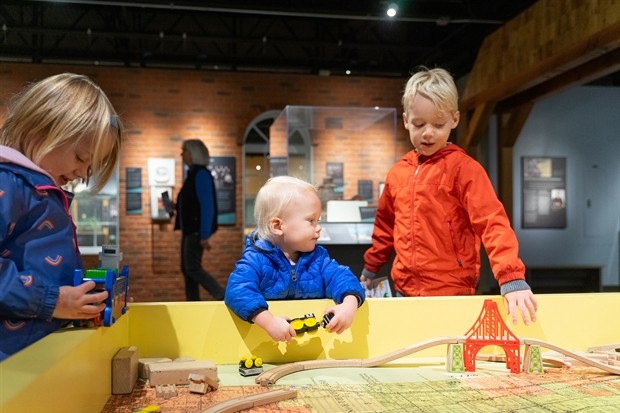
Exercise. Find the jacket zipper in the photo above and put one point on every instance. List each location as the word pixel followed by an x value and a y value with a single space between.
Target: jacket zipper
pixel 456 255
pixel 413 240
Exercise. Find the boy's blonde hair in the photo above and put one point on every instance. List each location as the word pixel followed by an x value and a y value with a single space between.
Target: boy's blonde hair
pixel 274 197
pixel 436 85
pixel 54 110
pixel 198 151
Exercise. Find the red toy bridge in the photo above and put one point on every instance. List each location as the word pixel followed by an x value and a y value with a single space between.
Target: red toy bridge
pixel 490 330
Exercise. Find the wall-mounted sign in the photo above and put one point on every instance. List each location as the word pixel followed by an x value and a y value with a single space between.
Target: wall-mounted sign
pixel 223 171
pixel 364 188
pixel 336 171
pixel 543 200
pixel 133 191
pixel 161 172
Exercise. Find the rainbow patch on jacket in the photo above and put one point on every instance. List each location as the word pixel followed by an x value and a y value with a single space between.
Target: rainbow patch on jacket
pixel 1 193
pixel 26 279
pixel 13 325
pixel 5 253
pixel 11 228
pixel 47 223
pixel 54 261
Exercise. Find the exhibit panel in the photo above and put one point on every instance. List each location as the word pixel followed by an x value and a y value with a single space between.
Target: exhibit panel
pixel 36 379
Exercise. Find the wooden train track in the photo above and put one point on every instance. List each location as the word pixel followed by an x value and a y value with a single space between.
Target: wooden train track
pixel 271 376
pixel 247 402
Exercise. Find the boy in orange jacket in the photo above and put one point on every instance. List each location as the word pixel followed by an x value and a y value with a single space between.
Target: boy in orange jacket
pixel 436 206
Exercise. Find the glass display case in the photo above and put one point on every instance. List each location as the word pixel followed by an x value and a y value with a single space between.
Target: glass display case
pixel 95 215
pixel 347 152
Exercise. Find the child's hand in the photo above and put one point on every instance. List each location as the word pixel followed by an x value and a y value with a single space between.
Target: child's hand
pixel 343 315
pixel 74 303
pixel 525 300
pixel 278 328
pixel 372 282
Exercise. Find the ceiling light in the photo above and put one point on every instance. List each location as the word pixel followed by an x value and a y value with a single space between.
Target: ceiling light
pixel 392 9
pixel 348 72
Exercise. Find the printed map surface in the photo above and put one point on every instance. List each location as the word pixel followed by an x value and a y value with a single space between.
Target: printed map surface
pixel 403 389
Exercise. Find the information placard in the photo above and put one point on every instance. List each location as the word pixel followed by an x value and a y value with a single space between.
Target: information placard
pixel 543 200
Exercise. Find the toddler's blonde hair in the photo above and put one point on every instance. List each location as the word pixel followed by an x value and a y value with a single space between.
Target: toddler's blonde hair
pixel 274 197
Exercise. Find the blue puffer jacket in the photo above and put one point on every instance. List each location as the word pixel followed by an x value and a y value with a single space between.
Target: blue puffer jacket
pixel 38 254
pixel 264 273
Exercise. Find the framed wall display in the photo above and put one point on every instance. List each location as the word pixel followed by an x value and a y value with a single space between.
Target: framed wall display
pixel 223 171
pixel 543 198
pixel 336 171
pixel 133 191
pixel 364 188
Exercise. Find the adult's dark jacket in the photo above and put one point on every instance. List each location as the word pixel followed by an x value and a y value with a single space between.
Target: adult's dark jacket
pixel 188 205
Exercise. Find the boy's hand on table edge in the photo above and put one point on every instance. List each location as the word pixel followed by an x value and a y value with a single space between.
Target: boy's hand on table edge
pixel 525 301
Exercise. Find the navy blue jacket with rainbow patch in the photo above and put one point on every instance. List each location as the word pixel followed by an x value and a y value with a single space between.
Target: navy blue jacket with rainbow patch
pixel 38 254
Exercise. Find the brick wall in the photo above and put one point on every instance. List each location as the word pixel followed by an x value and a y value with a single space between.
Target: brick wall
pixel 161 108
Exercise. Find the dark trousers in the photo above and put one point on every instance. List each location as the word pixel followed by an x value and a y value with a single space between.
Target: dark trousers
pixel 195 275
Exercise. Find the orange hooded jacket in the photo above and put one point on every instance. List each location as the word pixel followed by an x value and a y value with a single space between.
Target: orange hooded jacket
pixel 433 212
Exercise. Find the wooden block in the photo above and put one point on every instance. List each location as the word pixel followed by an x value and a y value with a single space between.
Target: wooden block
pixel 124 370
pixel 211 383
pixel 143 365
pixel 166 390
pixel 197 383
pixel 178 372
pixel 197 378
pixel 197 387
pixel 454 358
pixel 532 360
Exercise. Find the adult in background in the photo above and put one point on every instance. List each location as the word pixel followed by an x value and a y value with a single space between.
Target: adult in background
pixel 197 218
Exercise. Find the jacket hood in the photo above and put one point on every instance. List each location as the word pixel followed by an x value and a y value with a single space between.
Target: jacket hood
pixel 412 157
pixel 14 156
pixel 10 155
pixel 259 244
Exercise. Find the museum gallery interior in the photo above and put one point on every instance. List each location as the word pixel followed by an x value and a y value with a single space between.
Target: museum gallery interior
pixel 313 90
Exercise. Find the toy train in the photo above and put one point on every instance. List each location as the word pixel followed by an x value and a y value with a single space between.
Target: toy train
pixel 106 278
pixel 309 323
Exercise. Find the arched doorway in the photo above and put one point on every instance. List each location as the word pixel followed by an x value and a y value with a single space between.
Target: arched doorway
pixel 255 160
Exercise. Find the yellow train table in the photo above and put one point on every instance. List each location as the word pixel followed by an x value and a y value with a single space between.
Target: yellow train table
pixel 70 371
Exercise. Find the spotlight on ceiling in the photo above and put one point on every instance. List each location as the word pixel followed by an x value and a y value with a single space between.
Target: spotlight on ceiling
pixel 392 9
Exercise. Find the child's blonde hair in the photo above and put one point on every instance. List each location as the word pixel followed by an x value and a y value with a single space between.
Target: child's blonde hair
pixel 198 151
pixel 436 85
pixel 274 197
pixel 54 110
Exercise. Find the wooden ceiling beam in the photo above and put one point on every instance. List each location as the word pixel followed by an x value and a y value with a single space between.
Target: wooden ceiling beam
pixel 476 126
pixel 592 70
pixel 546 40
